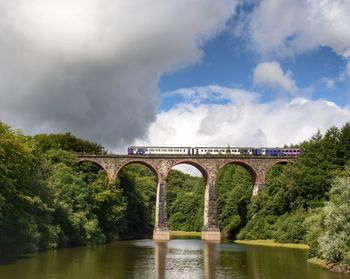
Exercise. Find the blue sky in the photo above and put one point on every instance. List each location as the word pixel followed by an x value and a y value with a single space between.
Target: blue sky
pixel 230 63
pixel 176 72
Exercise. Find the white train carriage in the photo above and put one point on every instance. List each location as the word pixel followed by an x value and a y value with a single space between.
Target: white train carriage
pixel 159 150
pixel 169 150
pixel 216 151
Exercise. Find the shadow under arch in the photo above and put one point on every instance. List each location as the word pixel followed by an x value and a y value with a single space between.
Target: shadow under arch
pixel 87 160
pixel 246 166
pixel 144 163
pixel 282 162
pixel 139 181
pixel 198 166
pixel 186 196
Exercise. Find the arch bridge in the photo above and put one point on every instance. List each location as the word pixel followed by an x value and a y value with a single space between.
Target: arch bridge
pixel 209 166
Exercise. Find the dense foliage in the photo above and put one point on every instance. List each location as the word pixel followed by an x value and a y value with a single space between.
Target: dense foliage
pixel 185 195
pixel 234 190
pixel 139 187
pixel 49 200
pixel 328 229
pixel 307 201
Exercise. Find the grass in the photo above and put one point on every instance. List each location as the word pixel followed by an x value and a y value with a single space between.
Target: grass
pixel 272 243
pixel 174 234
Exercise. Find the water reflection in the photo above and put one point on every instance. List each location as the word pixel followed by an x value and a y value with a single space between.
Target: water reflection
pixel 179 259
pixel 209 259
pixel 174 259
pixel 160 252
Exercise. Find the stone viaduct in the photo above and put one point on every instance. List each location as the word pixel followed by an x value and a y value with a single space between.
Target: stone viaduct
pixel 208 165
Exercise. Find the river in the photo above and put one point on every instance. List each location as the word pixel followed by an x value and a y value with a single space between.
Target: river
pixel 179 258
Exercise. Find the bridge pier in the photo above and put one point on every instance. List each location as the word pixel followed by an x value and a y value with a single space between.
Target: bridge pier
pixel 210 231
pixel 259 182
pixel 161 231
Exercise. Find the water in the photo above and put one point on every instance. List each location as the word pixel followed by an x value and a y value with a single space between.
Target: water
pixel 185 258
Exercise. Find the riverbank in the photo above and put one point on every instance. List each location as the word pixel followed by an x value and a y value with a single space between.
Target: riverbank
pixel 331 266
pixel 183 234
pixel 272 243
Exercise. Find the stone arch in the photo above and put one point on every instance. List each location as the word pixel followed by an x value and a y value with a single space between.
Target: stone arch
pixel 96 163
pixel 246 166
pixel 282 162
pixel 147 164
pixel 195 164
pixel 278 162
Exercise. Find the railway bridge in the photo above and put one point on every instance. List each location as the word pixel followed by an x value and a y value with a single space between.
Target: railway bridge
pixel 208 165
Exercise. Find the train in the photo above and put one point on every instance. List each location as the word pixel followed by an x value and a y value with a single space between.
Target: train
pixel 196 151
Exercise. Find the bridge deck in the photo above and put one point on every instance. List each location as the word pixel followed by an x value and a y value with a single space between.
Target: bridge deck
pixel 173 156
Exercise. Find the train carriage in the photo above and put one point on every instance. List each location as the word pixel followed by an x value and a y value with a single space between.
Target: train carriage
pixel 229 151
pixel 159 150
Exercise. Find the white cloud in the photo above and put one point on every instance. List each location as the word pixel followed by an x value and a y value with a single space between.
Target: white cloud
pixel 92 66
pixel 271 74
pixel 242 123
pixel 186 168
pixel 329 82
pixel 287 27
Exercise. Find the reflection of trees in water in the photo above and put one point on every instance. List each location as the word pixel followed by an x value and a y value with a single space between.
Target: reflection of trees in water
pixel 173 259
pixel 275 263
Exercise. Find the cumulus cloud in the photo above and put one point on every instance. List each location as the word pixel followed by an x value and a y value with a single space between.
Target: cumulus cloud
pixel 241 120
pixel 92 66
pixel 287 27
pixel 271 74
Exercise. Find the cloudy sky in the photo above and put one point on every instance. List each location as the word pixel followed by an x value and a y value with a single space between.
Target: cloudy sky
pixel 176 72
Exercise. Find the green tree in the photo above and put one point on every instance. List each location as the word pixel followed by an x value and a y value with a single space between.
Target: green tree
pixel 234 190
pixel 185 194
pixel 332 226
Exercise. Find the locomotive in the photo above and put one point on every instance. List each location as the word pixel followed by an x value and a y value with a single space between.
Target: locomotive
pixel 195 151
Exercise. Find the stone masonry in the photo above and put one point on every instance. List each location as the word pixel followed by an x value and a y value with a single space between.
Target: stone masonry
pixel 209 166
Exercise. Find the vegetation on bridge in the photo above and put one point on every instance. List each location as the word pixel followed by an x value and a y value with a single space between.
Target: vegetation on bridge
pixel 49 200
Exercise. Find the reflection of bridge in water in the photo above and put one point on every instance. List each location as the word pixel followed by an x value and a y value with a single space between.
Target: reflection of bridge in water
pixel 208 165
pixel 209 254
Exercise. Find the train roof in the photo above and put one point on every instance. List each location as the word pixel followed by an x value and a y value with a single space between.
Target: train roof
pixel 211 147
pixel 144 146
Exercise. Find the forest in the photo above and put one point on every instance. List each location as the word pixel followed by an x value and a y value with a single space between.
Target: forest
pixel 49 200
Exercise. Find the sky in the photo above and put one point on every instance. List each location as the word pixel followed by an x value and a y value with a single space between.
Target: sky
pixel 176 72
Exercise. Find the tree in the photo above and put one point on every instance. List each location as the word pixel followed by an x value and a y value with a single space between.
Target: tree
pixel 329 236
